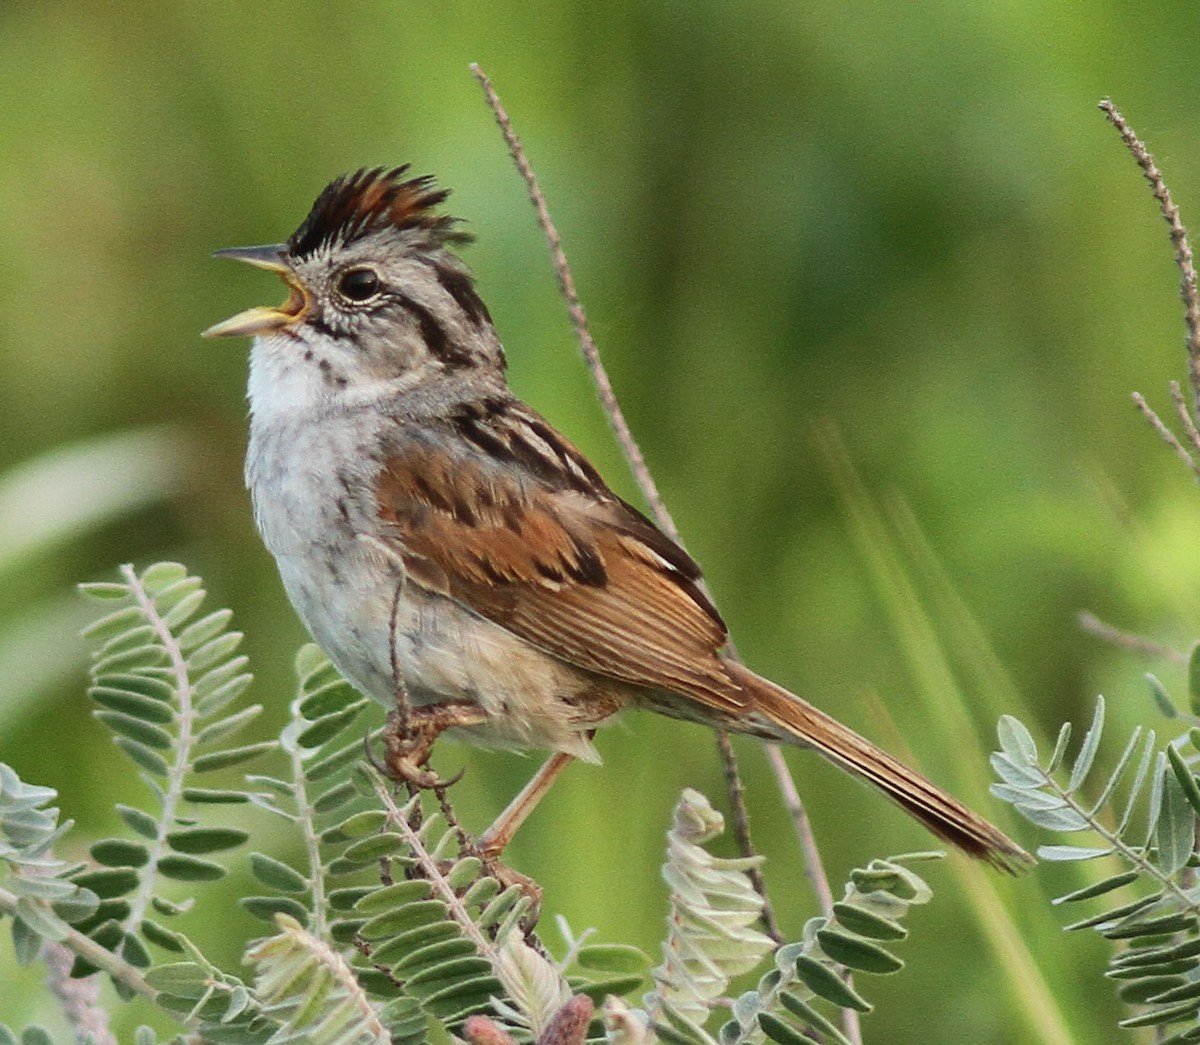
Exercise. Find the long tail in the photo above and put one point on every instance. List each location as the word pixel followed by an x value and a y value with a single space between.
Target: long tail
pixel 798 722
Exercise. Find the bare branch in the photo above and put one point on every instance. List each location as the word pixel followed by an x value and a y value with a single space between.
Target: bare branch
pixel 1183 250
pixel 1165 433
pixel 741 827
pixel 566 283
pixel 403 706
pixel 1093 625
pixel 1185 416
pixel 814 869
pixel 796 810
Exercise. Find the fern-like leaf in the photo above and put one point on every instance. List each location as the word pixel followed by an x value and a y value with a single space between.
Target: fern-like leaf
pixel 1152 830
pixel 220 1006
pixel 855 936
pixel 38 892
pixel 309 987
pixel 710 935
pixel 317 799
pixel 162 676
pixel 443 933
pixel 711 938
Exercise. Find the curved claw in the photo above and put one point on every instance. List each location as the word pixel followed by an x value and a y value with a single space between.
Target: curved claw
pixel 409 738
pixel 376 762
pixel 407 770
pixel 454 779
pixel 403 769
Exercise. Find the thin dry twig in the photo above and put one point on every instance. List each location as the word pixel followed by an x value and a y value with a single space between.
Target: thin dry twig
pixel 566 282
pixel 404 711
pixel 795 809
pixel 403 706
pixel 813 867
pixel 1185 416
pixel 1165 433
pixel 629 446
pixel 741 825
pixel 465 842
pixel 1093 625
pixel 1183 251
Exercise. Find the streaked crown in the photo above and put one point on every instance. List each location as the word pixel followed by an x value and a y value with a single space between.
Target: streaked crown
pixel 370 200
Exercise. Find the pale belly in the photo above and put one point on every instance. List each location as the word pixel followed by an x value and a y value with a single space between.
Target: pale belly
pixel 443 653
pixel 353 596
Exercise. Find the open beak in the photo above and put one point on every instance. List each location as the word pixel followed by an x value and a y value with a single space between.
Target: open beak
pixel 262 320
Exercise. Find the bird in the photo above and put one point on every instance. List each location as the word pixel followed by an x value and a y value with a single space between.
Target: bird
pixel 454 555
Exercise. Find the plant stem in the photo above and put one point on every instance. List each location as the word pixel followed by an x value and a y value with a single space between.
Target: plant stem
pixel 1136 856
pixel 92 952
pixel 172 794
pixel 1183 250
pixel 306 817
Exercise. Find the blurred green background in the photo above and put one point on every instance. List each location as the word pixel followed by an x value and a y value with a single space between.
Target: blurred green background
pixel 906 224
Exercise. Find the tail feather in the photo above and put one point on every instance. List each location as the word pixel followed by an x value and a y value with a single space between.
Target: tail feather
pixel 798 722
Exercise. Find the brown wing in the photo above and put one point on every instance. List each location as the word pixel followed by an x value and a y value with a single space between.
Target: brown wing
pixel 524 532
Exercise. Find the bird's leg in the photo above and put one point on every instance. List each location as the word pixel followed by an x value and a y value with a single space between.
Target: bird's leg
pixel 495 838
pixel 493 841
pixel 410 733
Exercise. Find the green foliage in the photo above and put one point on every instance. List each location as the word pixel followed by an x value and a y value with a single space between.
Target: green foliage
pixel 313 990
pixel 442 934
pixel 389 921
pixel 1144 812
pixel 849 939
pixel 33 1035
pixel 38 892
pixel 714 907
pixel 711 939
pixel 317 799
pixel 440 941
pixel 164 678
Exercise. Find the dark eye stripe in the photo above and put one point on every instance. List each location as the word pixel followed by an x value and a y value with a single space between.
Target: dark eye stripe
pixel 459 286
pixel 438 340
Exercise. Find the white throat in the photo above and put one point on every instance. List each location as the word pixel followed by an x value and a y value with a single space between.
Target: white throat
pixel 282 385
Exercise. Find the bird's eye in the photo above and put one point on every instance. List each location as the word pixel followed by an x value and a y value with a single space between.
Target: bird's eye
pixel 359 284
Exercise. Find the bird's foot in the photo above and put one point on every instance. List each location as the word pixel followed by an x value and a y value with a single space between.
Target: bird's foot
pixel 507 878
pixel 409 736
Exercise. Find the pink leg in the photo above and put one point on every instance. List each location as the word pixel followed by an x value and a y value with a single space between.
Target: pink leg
pixel 496 837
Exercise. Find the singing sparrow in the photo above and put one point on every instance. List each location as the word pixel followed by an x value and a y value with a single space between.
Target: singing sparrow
pixel 436 534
